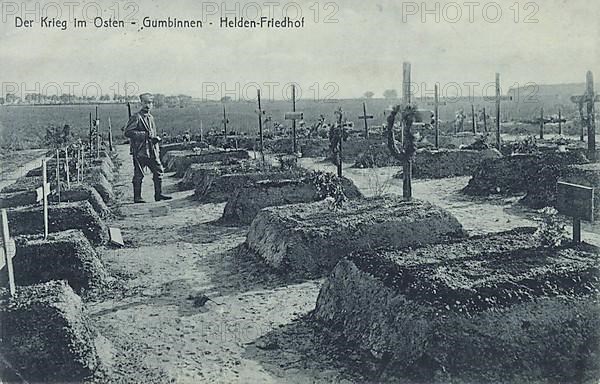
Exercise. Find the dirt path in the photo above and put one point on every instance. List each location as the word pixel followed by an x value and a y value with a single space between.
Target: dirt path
pixel 175 252
pixel 252 330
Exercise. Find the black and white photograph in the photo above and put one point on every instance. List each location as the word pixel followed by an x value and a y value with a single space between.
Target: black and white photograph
pixel 302 191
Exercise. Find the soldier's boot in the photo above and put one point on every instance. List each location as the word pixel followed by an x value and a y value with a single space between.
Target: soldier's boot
pixel 137 193
pixel 158 195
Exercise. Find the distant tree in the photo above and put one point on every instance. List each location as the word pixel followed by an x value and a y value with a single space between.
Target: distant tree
pixel 2 101
pixel 159 100
pixel 225 99
pixel 369 94
pixel 11 98
pixel 390 94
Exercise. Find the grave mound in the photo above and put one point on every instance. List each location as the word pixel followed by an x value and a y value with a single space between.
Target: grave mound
pixel 18 199
pixel 494 308
pixel 181 163
pixel 220 184
pixel 26 183
pixel 443 163
pixel 245 203
pixel 96 179
pixel 169 158
pixel 188 145
pixel 195 173
pixel 61 217
pixel 82 192
pixel 46 335
pixel 309 239
pixel 102 166
pixel 64 255
pixel 520 173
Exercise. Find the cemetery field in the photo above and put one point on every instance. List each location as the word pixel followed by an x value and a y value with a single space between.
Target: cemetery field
pixel 24 127
pixel 192 305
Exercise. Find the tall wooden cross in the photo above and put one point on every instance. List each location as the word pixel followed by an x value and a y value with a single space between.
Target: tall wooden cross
pixel 484 120
pixel 260 128
pixel 67 169
pixel 110 138
pixel 340 136
pixel 7 251
pixel 225 121
pixel 436 110
pixel 58 174
pixel 91 132
pixel 294 115
pixel 588 99
pixel 97 125
pixel 42 195
pixel 365 117
pixel 474 120
pixel 499 98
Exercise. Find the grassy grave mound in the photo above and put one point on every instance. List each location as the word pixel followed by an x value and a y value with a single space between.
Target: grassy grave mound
pixel 168 159
pixel 188 145
pixel 493 308
pixel 181 163
pixel 17 199
pixel 26 183
pixel 64 255
pixel 309 239
pixel 442 163
pixel 195 173
pixel 96 179
pixel 520 173
pixel 102 166
pixel 82 192
pixel 46 335
pixel 245 203
pixel 61 217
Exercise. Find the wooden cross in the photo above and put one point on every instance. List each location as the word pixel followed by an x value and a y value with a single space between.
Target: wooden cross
pixel 43 196
pixel 365 117
pixel 58 174
pixel 436 103
pixel 7 251
pixel 340 128
pixel 499 98
pixel 260 128
pixel 110 140
pixel 484 120
pixel 91 131
pixel 225 121
pixel 474 120
pixel 97 126
pixel 406 93
pixel 543 121
pixel 67 169
pixel 294 115
pixel 588 99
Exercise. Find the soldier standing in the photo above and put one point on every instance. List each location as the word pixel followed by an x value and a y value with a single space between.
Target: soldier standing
pixel 141 131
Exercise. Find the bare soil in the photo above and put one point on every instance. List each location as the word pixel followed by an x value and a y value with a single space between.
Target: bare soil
pixel 190 305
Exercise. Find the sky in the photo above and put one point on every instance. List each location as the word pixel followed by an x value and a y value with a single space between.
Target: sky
pixel 344 49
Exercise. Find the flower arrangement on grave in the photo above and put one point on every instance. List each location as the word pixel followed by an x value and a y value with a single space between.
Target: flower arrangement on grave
pixel 406 154
pixel 329 188
pixel 550 232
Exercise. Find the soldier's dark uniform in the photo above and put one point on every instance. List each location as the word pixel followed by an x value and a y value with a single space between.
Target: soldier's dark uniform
pixel 141 131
